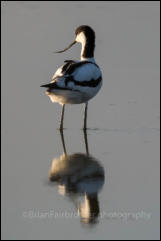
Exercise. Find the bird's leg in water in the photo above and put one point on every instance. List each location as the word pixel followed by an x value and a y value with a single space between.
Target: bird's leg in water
pixel 62 118
pixel 85 116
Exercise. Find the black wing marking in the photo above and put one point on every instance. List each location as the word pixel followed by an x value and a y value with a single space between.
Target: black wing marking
pixel 89 83
pixel 54 85
pixel 68 69
pixel 67 66
pixel 69 60
pixel 71 66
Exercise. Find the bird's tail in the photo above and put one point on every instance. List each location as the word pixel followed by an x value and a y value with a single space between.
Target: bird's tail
pixel 47 85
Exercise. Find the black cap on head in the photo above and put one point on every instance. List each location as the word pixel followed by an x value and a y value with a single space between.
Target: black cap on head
pixel 87 30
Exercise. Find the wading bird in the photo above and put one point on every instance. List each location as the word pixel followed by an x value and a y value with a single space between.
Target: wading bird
pixel 77 82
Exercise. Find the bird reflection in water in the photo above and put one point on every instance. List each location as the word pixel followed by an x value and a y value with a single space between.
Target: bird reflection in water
pixel 78 175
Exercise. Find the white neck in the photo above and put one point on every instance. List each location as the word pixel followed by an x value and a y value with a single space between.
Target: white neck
pixel 81 38
pixel 88 59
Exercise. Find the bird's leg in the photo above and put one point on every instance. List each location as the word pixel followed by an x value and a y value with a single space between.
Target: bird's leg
pixel 85 116
pixel 62 118
pixel 86 141
pixel 63 142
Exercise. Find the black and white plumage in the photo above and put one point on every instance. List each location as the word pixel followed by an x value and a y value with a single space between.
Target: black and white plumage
pixel 77 82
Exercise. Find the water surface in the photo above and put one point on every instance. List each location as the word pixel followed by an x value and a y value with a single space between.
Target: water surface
pixel 120 181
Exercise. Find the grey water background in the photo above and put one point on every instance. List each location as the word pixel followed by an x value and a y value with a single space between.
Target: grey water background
pixel 123 119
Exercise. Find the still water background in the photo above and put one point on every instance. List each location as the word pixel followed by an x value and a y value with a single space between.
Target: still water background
pixel 123 119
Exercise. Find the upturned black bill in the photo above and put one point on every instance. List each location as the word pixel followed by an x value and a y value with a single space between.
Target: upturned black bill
pixel 61 51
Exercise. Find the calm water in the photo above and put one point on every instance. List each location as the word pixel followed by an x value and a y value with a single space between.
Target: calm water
pixel 112 171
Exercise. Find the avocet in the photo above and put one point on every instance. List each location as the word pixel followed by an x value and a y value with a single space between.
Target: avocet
pixel 77 82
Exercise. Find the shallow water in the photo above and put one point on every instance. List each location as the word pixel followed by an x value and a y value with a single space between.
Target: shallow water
pixel 119 177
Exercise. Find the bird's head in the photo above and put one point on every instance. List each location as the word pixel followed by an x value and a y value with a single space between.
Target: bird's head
pixel 83 34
